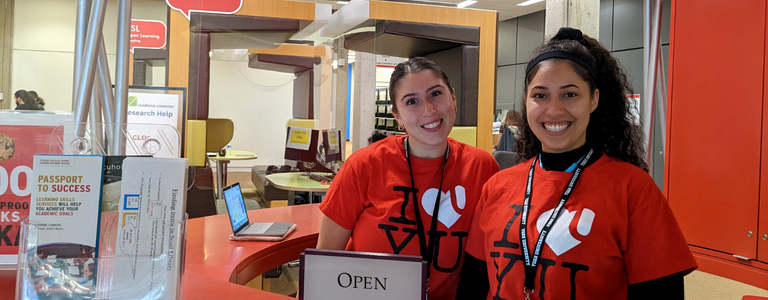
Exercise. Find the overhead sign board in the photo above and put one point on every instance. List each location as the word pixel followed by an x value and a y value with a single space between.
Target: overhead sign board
pixel 147 34
pixel 209 6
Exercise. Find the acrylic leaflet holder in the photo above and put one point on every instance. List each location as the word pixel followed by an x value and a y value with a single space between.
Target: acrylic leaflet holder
pixel 157 140
pixel 110 139
pixel 122 267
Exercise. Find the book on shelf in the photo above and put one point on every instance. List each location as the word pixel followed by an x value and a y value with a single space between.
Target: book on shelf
pixel 149 244
pixel 64 220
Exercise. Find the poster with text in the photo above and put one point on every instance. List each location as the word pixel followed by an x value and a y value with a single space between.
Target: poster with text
pixel 22 135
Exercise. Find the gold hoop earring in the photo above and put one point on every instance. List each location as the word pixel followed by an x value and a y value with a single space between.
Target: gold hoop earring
pixel 400 127
pixel 455 108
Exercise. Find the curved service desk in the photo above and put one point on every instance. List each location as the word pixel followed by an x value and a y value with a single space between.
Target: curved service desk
pixel 217 268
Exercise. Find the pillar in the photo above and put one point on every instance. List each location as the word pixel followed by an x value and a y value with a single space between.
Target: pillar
pixel 580 14
pixel 364 104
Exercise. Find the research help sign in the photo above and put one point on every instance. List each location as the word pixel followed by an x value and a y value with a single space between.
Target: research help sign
pixel 155 109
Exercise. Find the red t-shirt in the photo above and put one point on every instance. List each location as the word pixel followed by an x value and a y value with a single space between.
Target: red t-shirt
pixel 368 197
pixel 615 230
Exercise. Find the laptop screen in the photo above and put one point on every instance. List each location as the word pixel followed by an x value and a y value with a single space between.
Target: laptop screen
pixel 235 206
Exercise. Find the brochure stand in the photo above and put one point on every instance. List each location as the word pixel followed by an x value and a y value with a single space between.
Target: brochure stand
pixel 157 140
pixel 58 274
pixel 126 264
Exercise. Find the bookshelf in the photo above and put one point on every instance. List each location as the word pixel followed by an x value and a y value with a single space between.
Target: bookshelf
pixel 384 120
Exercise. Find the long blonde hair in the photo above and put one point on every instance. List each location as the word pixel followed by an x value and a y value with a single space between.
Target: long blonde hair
pixel 512 119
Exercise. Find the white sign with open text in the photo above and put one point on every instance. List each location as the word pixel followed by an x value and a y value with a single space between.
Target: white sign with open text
pixel 335 274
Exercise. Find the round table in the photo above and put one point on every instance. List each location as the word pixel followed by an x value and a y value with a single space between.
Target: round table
pixel 221 166
pixel 297 182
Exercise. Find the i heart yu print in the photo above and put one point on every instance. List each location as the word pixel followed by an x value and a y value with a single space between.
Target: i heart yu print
pixel 447 214
pixel 560 238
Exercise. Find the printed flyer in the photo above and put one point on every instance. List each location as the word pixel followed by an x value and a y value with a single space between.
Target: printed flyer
pixel 113 176
pixel 64 212
pixel 152 205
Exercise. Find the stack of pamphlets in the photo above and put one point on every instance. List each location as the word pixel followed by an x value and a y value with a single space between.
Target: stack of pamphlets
pixel 64 226
pixel 149 244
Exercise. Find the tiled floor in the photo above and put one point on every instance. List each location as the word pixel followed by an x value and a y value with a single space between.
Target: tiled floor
pixel 698 285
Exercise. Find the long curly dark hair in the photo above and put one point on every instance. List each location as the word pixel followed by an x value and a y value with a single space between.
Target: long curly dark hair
pixel 610 128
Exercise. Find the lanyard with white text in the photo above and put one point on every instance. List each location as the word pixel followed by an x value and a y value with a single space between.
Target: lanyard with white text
pixel 427 249
pixel 532 263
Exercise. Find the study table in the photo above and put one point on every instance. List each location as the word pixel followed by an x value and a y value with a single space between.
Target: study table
pixel 217 268
pixel 297 182
pixel 223 161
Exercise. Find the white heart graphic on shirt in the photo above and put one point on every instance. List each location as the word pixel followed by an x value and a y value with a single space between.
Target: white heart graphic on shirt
pixel 447 215
pixel 560 239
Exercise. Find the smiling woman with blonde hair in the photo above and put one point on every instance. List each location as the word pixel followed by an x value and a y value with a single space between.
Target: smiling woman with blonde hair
pixel 509 132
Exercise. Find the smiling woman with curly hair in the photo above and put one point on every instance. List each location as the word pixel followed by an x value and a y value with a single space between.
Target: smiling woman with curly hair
pixel 581 218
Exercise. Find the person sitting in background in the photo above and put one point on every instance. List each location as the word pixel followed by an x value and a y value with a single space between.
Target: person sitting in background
pixel 39 102
pixel 376 136
pixel 509 132
pixel 24 101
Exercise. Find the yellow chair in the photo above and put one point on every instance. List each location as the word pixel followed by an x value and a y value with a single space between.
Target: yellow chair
pixel 464 134
pixel 214 134
pixel 219 133
pixel 302 123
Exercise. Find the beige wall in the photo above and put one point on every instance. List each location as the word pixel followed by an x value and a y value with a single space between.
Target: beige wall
pixel 258 102
pixel 43 45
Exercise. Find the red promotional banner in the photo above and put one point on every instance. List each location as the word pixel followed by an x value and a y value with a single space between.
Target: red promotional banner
pixel 147 34
pixel 18 146
pixel 208 6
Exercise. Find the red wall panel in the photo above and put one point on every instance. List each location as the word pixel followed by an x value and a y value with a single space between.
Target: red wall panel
pixel 762 245
pixel 715 113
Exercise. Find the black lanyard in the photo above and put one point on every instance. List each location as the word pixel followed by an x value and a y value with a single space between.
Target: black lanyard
pixel 532 263
pixel 426 249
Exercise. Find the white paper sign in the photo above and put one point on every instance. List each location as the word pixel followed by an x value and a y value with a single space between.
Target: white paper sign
pixel 299 138
pixel 334 274
pixel 333 142
pixel 146 108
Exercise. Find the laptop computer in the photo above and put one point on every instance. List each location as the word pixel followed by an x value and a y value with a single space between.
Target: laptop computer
pixel 238 217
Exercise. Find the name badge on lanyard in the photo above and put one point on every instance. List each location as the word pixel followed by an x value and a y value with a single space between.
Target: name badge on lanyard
pixel 531 263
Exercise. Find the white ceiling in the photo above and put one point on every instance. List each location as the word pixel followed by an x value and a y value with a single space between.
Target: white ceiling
pixel 507 9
